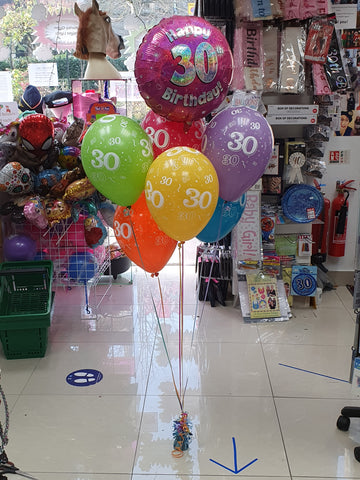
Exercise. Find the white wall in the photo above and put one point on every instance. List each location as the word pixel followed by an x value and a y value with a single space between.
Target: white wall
pixel 348 171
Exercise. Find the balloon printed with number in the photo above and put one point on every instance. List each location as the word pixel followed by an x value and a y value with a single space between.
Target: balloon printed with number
pixel 239 143
pixel 224 219
pixel 183 68
pixel 116 154
pixel 150 248
pixel 181 192
pixel 165 134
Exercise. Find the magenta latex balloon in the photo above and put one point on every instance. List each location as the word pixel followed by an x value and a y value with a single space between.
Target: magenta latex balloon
pixel 239 143
pixel 165 134
pixel 183 68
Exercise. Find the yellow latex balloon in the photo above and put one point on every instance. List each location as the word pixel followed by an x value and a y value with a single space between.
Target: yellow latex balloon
pixel 181 191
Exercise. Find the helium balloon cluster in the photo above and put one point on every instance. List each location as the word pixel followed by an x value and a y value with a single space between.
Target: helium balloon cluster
pixel 178 176
pixel 45 186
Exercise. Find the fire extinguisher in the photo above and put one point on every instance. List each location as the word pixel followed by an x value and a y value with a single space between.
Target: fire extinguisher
pixel 319 232
pixel 338 219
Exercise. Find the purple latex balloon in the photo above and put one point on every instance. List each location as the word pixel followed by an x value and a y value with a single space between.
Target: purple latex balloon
pixel 19 248
pixel 183 68
pixel 239 143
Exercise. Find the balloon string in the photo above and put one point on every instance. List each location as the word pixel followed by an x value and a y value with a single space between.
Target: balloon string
pixel 181 337
pixel 197 304
pixel 181 250
pixel 208 281
pixel 161 296
pixel 161 331
pixel 216 247
pixel 157 316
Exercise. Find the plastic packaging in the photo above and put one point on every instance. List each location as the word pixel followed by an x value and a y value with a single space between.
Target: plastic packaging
pixel 319 39
pixel 292 74
pixel 242 98
pixel 312 8
pixel 277 8
pixel 292 9
pixel 336 70
pixel 271 58
pixel 248 57
pixel 242 9
pixel 238 82
pixel 321 85
pixel 253 55
pixel 261 10
pixel 320 133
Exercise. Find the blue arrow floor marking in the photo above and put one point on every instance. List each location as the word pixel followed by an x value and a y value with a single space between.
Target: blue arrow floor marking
pixel 236 471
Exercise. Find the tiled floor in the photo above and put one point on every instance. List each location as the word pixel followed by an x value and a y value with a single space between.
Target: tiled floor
pixel 245 401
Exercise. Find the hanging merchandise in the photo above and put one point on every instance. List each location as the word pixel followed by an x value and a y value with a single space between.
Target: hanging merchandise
pixel 295 157
pixel 271 58
pixel 242 9
pixel 302 203
pixel 338 219
pixel 292 10
pixel 303 280
pixel 304 242
pixel 309 8
pixel 253 61
pixel 292 73
pixel 261 10
pixel 248 57
pixel 319 39
pixel 238 81
pixel 335 67
pixel 321 85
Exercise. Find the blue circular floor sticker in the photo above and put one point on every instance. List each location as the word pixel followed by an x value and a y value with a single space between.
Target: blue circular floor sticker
pixel 84 377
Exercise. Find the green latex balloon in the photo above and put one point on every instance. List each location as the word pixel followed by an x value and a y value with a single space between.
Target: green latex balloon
pixel 116 154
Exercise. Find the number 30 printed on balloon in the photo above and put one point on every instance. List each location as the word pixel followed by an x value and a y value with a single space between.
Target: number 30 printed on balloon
pixel 183 68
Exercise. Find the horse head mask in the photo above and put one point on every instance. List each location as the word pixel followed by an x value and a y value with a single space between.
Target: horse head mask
pixel 95 33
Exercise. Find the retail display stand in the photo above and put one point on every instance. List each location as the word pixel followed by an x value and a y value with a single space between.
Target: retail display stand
pixel 214 267
pixel 74 263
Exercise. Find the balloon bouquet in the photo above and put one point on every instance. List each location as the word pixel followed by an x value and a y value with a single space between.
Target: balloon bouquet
pixel 166 175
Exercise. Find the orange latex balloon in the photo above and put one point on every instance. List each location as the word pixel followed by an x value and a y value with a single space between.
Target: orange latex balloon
pixel 151 248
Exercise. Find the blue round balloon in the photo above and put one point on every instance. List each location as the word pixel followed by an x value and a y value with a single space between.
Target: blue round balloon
pixel 224 219
pixel 82 266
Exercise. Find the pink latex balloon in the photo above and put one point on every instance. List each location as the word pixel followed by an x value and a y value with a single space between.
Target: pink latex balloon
pixel 165 134
pixel 183 68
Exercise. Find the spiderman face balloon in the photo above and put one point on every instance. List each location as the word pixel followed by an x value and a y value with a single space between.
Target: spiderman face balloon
pixel 37 134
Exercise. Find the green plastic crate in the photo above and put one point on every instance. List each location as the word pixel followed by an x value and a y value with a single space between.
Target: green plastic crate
pixel 26 300
pixel 27 343
pixel 25 294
